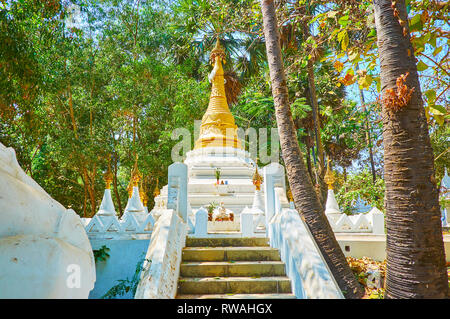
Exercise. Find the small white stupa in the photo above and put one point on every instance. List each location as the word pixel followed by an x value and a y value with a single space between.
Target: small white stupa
pixel 105 220
pixel 107 205
pixel 135 214
pixel 332 210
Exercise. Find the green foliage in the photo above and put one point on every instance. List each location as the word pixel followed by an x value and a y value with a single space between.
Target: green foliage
pixel 101 254
pixel 117 84
pixel 126 285
pixel 360 187
pixel 300 108
pixel 210 208
pixel 441 148
pixel 101 89
pixel 217 173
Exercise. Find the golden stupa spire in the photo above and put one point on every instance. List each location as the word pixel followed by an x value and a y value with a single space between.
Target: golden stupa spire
pixel 108 176
pixel 218 127
pixel 329 176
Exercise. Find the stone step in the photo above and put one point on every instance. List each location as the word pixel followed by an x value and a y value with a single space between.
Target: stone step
pixel 236 296
pixel 236 285
pixel 230 254
pixel 227 242
pixel 232 269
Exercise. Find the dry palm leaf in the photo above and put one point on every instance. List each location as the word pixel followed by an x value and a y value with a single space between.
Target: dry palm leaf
pixel 232 87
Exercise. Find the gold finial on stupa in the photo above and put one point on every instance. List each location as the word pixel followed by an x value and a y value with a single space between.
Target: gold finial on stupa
pixel 217 51
pixel 257 179
pixel 136 175
pixel 289 194
pixel 156 191
pixel 142 193
pixel 329 176
pixel 130 189
pixel 218 128
pixel 108 176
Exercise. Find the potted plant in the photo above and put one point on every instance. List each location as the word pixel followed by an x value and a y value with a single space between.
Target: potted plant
pixel 217 173
pixel 210 208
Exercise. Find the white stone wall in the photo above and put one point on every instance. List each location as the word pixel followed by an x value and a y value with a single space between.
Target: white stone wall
pixel 371 222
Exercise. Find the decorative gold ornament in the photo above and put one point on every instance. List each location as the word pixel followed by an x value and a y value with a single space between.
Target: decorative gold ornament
pixel 130 189
pixel 257 179
pixel 108 176
pixel 156 191
pixel 218 51
pixel 142 193
pixel 218 128
pixel 289 194
pixel 136 175
pixel 329 176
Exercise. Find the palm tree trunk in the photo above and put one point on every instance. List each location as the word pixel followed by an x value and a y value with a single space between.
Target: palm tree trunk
pixel 305 198
pixel 414 247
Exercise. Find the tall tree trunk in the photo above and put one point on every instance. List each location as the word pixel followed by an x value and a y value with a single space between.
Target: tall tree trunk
pixel 116 189
pixel 322 187
pixel 308 161
pixel 92 194
pixel 414 247
pixel 302 189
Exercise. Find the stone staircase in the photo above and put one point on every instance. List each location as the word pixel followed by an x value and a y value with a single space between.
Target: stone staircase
pixel 230 268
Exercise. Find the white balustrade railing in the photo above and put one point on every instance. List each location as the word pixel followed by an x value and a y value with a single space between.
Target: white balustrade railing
pixel 305 265
pixel 161 268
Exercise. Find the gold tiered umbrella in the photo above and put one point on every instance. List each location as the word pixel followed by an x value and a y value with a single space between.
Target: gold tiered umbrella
pixel 130 189
pixel 142 193
pixel 218 128
pixel 257 179
pixel 329 177
pixel 108 176
pixel 156 191
pixel 290 197
pixel 136 176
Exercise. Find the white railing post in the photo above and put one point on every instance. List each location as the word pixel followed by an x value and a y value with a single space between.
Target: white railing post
pixel 273 177
pixel 377 217
pixel 201 223
pixel 177 189
pixel 247 224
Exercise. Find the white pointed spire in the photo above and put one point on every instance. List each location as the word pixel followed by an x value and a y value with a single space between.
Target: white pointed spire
pixel 332 206
pixel 134 203
pixel 107 205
